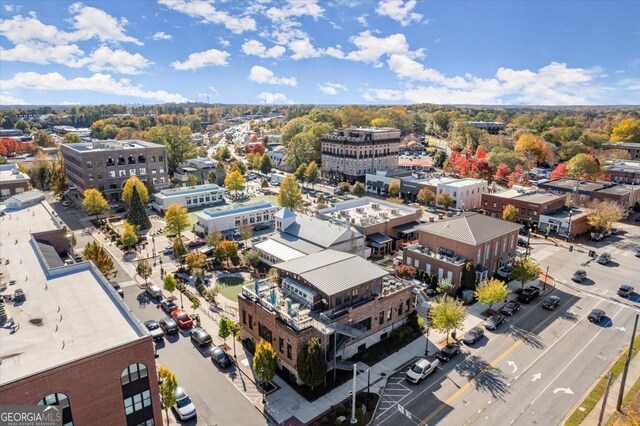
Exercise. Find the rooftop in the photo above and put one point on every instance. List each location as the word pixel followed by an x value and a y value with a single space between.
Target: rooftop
pixel 629 166
pixel 320 232
pixel 233 209
pixel 530 195
pixel 573 184
pixel 111 145
pixel 279 250
pixel 470 228
pixel 365 211
pixel 460 183
pixel 10 173
pixel 188 190
pixel 574 212
pixel 70 312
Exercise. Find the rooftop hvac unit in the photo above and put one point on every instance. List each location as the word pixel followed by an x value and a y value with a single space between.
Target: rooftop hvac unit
pixel 375 206
pixel 360 209
pixel 394 211
pixel 383 214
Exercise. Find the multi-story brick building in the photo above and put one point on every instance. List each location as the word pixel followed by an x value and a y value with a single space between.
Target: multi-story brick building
pixel 623 171
pixel 351 153
pixel 67 338
pixel 491 127
pixel 12 181
pixel 106 165
pixel 581 193
pixel 200 168
pixel 529 202
pixel 345 301
pixel 445 246
pixel 632 148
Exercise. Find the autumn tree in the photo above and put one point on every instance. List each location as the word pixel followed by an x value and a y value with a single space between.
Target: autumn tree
pixel 176 218
pixel 127 190
pixel 358 189
pixel 492 291
pixel 627 130
pixel 426 196
pixel 311 364
pixel 214 237
pixel 179 249
pixel 301 172
pixel 212 177
pixel 245 231
pixel 226 250
pixel 533 147
pixel 510 213
pixel 559 172
pixel 100 257
pixel 468 278
pixel 447 314
pixel 177 141
pixel 502 172
pixel 94 202
pixel 128 236
pixel 169 283
pixel 192 180
pixel 265 164
pixel 583 166
pixel 394 189
pixel 524 270
pixel 71 138
pixel 58 176
pixel 143 268
pixel 226 327
pixel 168 386
pixel 312 174
pixel 264 361
pixel 445 200
pixel 195 261
pixel 43 139
pixel 290 195
pixel 234 181
pixel 603 214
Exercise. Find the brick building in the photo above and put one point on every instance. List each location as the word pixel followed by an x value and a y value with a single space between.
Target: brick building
pixel 12 181
pixel 106 165
pixel 528 201
pixel 632 148
pixel 581 193
pixel 445 246
pixel 351 153
pixel 345 301
pixel 491 127
pixel 68 338
pixel 623 171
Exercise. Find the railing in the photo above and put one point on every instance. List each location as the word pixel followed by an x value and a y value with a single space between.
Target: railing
pixel 443 257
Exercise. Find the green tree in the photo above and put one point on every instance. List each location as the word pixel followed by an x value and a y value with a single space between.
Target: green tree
pixel 583 166
pixel 443 286
pixel 195 303
pixel 226 327
pixel 144 269
pixel 440 158
pixel 245 231
pixel 265 164
pixel 524 270
pixel 264 183
pixel 290 195
pixel 627 130
pixel 394 189
pixel 137 215
pixel 179 249
pixel 128 236
pixel 344 186
pixel 358 189
pixel 311 364
pixel 468 279
pixel 252 258
pixel 212 177
pixel 265 361
pixel 510 213
pixel 226 250
pixel 170 283
pixel 224 153
pixel 300 172
pixel 176 139
pixel 234 181
pixel 568 150
pixel 426 196
pixel 127 190
pixel 492 291
pixel 58 176
pixel 312 174
pixel 94 202
pixel 445 200
pixel 168 386
pixel 71 138
pixel 447 314
pixel 195 260
pixel 21 125
pixel 44 140
pixel 192 180
pixel 214 237
pixel 176 218
pixel 100 257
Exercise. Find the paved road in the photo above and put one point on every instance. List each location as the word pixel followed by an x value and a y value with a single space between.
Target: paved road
pixel 215 393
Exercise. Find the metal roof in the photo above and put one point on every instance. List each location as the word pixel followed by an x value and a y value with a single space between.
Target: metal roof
pixel 318 231
pixel 279 250
pixel 470 228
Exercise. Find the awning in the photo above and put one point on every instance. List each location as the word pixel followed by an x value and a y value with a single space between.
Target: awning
pixel 406 228
pixel 379 240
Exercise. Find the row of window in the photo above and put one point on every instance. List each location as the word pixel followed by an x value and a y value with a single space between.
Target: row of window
pixel 523 211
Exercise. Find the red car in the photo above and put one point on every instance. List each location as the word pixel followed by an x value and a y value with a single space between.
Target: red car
pixel 182 318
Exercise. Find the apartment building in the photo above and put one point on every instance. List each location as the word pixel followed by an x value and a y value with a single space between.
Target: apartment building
pixel 632 148
pixel 529 202
pixel 12 181
pixel 189 196
pixel 623 171
pixel 351 153
pixel 580 193
pixel 106 165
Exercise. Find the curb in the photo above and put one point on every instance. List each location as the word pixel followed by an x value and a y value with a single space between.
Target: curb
pixel 386 379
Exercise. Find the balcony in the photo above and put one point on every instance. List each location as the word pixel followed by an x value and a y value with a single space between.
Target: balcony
pixel 425 251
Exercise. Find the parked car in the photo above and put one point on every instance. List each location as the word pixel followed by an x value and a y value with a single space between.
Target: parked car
pixel 220 357
pixel 528 294
pixel 181 318
pixel 168 251
pixel 604 258
pixel 261 227
pixel 625 290
pixel 432 210
pixel 505 271
pixel 473 335
pixel 168 306
pixel 154 329
pixel 510 308
pixel 579 275
pixel 66 203
pixel 522 231
pixel 493 321
pixel 522 242
pixel 551 302
pixel 421 369
pixel 78 258
pixel 448 352
pixel 184 406
pixel 597 236
pixel 596 315
pixel 168 325
pixel 200 336
pixel 199 242
pixel 637 252
pixel 154 291
pixel 118 289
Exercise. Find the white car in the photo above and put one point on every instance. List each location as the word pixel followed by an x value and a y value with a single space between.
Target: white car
pixel 184 406
pixel 421 369
pixel 66 203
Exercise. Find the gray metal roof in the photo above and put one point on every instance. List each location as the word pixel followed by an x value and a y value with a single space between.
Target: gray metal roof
pixel 470 228
pixel 318 231
pixel 332 272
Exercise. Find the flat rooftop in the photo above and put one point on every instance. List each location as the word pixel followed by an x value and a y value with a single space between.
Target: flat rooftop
pixel 9 173
pixel 233 210
pixel 188 190
pixel 461 183
pixel 70 312
pixel 366 211
pixel 530 196
pixel 111 145
pixel 572 184
pixel 628 166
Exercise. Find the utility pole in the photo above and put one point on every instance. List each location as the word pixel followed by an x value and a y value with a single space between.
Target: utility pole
pixel 604 400
pixel 626 365
pixel 546 275
pixel 354 420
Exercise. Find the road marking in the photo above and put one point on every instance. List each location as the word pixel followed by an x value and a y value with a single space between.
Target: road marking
pixel 566 390
pixel 621 329
pixel 512 365
pixel 536 377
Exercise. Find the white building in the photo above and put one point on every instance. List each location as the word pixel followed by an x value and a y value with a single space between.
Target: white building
pixel 228 218
pixel 190 197
pixel 467 193
pixel 276 155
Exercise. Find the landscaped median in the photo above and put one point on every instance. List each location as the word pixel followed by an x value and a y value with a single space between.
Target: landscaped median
pixel 597 392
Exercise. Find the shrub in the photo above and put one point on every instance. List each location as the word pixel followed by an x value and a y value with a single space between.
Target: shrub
pixel 201 288
pixel 340 409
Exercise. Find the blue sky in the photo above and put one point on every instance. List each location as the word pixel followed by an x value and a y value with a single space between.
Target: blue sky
pixel 320 52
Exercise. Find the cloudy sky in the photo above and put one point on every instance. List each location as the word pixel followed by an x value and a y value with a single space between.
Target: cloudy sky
pixel 320 52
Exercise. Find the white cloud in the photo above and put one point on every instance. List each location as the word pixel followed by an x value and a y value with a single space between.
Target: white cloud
pixel 295 8
pixel 120 61
pixel 274 98
pixel 302 49
pixel 331 88
pixel 12 8
pixel 372 48
pixel 209 14
pixel 90 22
pixel 202 59
pixel 161 35
pixel 256 48
pixel 214 90
pixel 223 42
pixel 388 95
pixel 630 83
pixel 7 99
pixel 262 75
pixel 69 103
pixel 102 83
pixel 23 29
pixel 399 10
pixel 362 20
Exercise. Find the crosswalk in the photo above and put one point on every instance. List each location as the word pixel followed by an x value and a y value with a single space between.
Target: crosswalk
pixel 394 392
pixel 540 255
pixel 243 384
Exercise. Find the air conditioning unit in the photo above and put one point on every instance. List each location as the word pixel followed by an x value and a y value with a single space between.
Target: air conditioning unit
pixel 360 209
pixel 394 211
pixel 375 206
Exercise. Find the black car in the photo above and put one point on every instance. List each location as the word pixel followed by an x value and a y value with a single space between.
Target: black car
pixel 448 352
pixel 596 315
pixel 118 289
pixel 551 302
pixel 493 321
pixel 154 329
pixel 220 357
pixel 604 258
pixel 473 335
pixel 510 308
pixel 168 306
pixel 168 325
pixel 579 275
pixel 200 336
pixel 260 227
pixel 528 294
pixel 522 242
pixel 625 290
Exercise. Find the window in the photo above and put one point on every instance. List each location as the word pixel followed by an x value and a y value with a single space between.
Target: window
pixel 288 350
pixel 281 344
pixel 381 318
pixel 137 402
pixel 153 159
pixel 136 395
pixel 143 171
pixel 5 192
pixel 154 171
pixel 161 159
pixel 90 176
pixel 400 309
pixel 89 165
pixel 265 332
pixel 62 402
pixel 162 180
pixel 132 373
pixel 494 205
pixel 100 175
pixel 122 173
pixel 112 173
pixel 244 317
pixel 389 314
pixel 132 172
pixel 250 321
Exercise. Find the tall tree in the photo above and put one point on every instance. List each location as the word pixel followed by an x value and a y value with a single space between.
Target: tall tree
pixel 234 181
pixel 559 172
pixel 439 159
pixel 603 214
pixel 226 327
pixel 358 189
pixel 127 190
pixel 290 195
pixel 300 172
pixel 524 270
pixel 71 138
pixel 169 283
pixel 137 214
pixel 492 291
pixel 179 249
pixel 176 139
pixel 264 361
pixel 214 237
pixel 447 314
pixel 43 139
pixel 100 257
pixel 583 166
pixel 312 174
pixel 311 364
pixel 445 200
pixel 394 189
pixel 468 278
pixel 245 231
pixel 192 180
pixel 510 213
pixel 195 303
pixel 627 130
pixel 58 176
pixel 195 261
pixel 265 164
pixel 212 177
pixel 502 172
pixel 94 202
pixel 226 250
pixel 128 236
pixel 176 218
pixel 144 269
pixel 168 386
pixel 426 196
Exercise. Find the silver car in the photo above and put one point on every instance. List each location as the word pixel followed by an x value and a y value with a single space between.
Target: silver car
pixel 184 406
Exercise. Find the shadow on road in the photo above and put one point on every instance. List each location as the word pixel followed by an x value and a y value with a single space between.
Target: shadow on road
pixel 531 339
pixel 569 316
pixel 489 379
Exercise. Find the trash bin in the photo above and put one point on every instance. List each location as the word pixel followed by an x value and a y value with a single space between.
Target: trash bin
pixel 570 248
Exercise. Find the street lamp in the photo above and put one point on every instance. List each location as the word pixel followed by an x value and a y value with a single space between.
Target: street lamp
pixel 180 289
pixel 569 227
pixel 529 227
pixel 426 350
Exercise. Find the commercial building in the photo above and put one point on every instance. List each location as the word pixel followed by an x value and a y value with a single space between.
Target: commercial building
pixel 12 181
pixel 492 127
pixel 106 165
pixel 189 196
pixel 340 298
pixel 67 337
pixel 276 155
pixel 228 218
pixel 623 171
pixel 297 235
pixel 581 193
pixel 467 193
pixel 382 222
pixel 200 168
pixel 351 153
pixel 378 181
pixel 529 202
pixel 411 185
pixel 445 246
pixel 24 199
pixel 564 222
pixel 632 148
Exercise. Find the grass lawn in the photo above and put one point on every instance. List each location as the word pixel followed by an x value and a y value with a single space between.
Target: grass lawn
pixel 273 199
pixel 230 287
pixel 632 397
